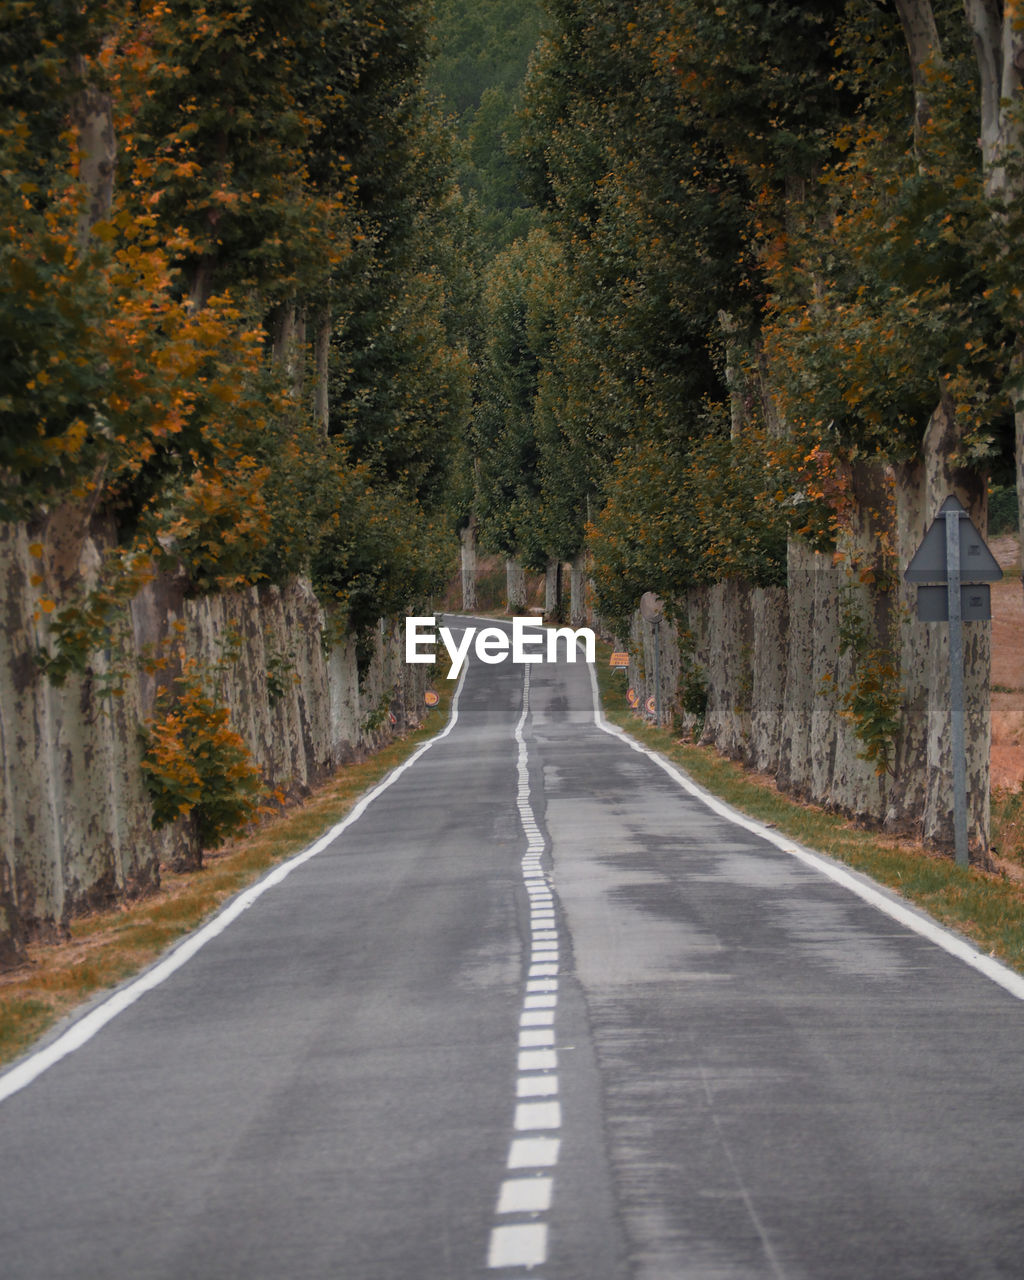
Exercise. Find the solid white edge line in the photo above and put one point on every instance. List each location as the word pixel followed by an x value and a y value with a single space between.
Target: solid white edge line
pixel 83 1030
pixel 910 917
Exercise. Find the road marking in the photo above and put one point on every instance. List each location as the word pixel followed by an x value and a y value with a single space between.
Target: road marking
pixel 533 1153
pixel 525 1195
pixel 522 1245
pixel 538 1115
pixel 82 1031
pixel 529 1086
pixel 525 1244
pixel 878 897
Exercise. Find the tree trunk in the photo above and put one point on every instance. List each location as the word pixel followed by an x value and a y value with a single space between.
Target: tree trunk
pixel 923 765
pixel 288 340
pixel 93 121
pixel 553 591
pixel 924 48
pixel 515 586
pixel 578 590
pixel 468 555
pixel 321 355
pixel 999 51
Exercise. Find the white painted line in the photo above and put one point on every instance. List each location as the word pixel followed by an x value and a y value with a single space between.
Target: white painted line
pixel 525 1195
pixel 531 1039
pixel 522 1245
pixel 82 1031
pixel 878 897
pixel 544 934
pixel 543 970
pixel 540 1002
pixel 538 1115
pixel 542 984
pixel 536 1086
pixel 538 1060
pixel 537 1018
pixel 533 1153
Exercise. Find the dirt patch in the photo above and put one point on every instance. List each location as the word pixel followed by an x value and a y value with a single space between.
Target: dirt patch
pixel 1007 667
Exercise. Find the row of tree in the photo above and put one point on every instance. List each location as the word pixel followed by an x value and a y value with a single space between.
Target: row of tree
pixel 233 330
pixel 780 248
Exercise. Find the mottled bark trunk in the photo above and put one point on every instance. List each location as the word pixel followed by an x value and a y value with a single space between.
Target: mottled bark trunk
pixel 923 796
pixel 288 342
pixel 515 586
pixel 469 566
pixel 578 614
pixel 93 121
pixel 924 50
pixel 999 52
pixel 553 590
pixel 321 357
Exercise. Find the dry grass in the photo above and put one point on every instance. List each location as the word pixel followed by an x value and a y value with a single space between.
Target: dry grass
pixel 108 947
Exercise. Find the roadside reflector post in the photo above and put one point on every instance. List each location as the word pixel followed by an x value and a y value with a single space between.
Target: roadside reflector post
pixel 953 553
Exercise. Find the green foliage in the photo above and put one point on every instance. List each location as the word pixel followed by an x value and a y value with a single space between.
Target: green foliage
pixel 681 519
pixel 276 166
pixel 480 59
pixel 379 554
pixel 1003 510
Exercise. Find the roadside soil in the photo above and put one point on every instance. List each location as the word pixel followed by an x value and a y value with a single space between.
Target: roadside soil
pixel 1007 667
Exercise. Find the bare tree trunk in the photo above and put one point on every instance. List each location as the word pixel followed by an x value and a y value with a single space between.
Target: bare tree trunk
pixel 515 586
pixel 288 340
pixel 924 48
pixel 321 360
pixel 999 51
pixel 578 590
pixel 93 120
pixel 553 590
pixel 468 554
pixel 733 377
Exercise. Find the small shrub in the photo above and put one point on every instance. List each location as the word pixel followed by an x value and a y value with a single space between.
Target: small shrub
pixel 194 762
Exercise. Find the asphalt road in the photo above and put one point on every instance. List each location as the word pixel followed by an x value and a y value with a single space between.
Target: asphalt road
pixel 537 1011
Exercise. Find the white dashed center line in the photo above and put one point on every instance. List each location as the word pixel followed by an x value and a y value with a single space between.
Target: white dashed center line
pixel 526 1197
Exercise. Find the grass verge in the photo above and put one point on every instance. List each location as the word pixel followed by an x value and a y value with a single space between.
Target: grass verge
pixel 108 947
pixel 988 908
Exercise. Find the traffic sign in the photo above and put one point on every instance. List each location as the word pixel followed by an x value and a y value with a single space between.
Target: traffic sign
pixel 929 562
pixel 975 603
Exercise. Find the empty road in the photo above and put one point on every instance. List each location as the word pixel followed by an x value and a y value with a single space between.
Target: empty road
pixel 537 1010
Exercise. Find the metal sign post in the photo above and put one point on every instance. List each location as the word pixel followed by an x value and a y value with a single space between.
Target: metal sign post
pixel 954 553
pixel 956 683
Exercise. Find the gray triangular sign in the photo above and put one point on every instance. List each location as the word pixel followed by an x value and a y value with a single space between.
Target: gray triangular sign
pixel 977 563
